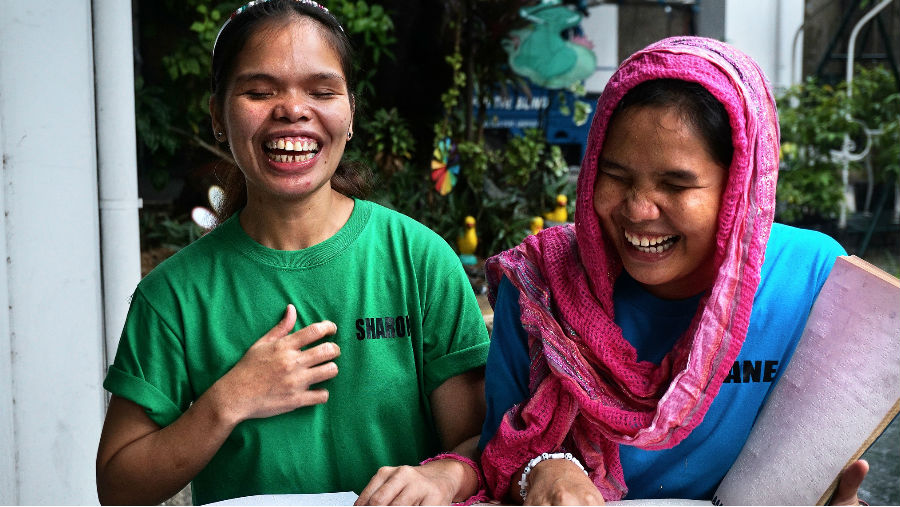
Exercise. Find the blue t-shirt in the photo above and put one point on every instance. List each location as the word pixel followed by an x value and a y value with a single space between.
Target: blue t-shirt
pixel 796 265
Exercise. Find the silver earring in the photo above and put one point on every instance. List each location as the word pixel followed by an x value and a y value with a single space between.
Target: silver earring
pixel 349 135
pixel 220 135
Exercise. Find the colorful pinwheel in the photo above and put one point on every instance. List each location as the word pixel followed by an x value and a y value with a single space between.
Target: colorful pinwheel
pixel 445 166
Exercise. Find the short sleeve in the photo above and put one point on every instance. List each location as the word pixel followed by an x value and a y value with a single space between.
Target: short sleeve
pixel 791 252
pixel 456 338
pixel 149 368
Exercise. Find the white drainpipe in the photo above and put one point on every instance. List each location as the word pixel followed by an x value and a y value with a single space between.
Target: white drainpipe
pixel 117 163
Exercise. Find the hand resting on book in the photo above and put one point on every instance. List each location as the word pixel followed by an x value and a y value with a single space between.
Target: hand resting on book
pixel 560 482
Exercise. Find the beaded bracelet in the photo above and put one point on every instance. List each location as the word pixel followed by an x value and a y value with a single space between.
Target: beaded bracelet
pixel 480 495
pixel 523 484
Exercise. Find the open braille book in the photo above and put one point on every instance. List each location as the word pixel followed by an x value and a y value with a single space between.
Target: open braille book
pixel 836 396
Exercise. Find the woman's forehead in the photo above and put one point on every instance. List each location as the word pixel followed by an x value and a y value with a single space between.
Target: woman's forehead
pixel 290 27
pixel 289 43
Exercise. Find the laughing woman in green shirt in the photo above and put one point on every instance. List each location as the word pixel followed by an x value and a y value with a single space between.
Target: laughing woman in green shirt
pixel 313 339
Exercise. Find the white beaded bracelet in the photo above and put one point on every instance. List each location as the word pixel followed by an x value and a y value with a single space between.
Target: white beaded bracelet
pixel 523 484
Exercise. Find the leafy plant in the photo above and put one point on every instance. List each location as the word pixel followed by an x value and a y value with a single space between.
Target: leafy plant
pixel 152 125
pixel 503 187
pixel 814 120
pixel 389 141
pixel 371 26
pixel 172 85
pixel 876 102
pixel 161 228
pixel 580 110
pixel 503 183
pixel 530 175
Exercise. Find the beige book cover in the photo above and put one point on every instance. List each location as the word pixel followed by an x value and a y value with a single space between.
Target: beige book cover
pixel 839 391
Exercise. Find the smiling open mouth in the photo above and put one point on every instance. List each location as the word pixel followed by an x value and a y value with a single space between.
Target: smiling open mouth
pixel 287 149
pixel 651 244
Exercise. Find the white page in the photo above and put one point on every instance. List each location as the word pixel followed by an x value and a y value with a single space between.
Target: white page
pixel 343 498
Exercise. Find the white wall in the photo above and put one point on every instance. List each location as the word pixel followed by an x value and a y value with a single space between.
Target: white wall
pixel 602 28
pixel 51 346
pixel 764 29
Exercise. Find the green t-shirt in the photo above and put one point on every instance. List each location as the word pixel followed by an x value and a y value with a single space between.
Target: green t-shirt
pixel 407 321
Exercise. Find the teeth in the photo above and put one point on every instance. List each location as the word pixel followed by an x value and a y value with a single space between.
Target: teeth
pixel 290 145
pixel 303 157
pixel 655 244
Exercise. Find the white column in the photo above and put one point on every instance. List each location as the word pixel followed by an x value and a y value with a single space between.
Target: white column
pixel 9 489
pixel 51 352
pixel 117 164
pixel 601 27
pixel 764 29
pixel 790 19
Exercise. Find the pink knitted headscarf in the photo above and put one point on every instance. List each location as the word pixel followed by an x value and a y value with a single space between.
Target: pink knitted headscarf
pixel 588 391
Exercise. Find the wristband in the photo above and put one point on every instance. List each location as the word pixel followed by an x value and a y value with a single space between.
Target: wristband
pixel 523 484
pixel 480 495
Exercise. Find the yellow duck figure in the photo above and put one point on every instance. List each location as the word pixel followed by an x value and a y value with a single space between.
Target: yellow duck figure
pixel 467 242
pixel 560 214
pixel 537 225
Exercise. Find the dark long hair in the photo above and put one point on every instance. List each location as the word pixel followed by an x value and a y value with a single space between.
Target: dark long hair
pixel 698 108
pixel 350 178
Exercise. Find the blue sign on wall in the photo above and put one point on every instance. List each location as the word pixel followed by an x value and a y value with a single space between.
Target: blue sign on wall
pixel 517 112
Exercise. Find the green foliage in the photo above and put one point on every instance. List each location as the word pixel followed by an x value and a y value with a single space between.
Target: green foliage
pixel 876 101
pixel 503 188
pixel 530 175
pixel 155 115
pixel 161 228
pixel 580 110
pixel 372 30
pixel 581 113
pixel 190 62
pixel 814 119
pixel 477 159
pixel 525 154
pixel 503 185
pixel 450 99
pixel 812 126
pixel 390 143
pixel 172 87
pixel 371 23
pixel 521 157
pixel 390 134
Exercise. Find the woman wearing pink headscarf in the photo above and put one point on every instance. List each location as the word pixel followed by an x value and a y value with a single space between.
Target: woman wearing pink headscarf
pixel 632 351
